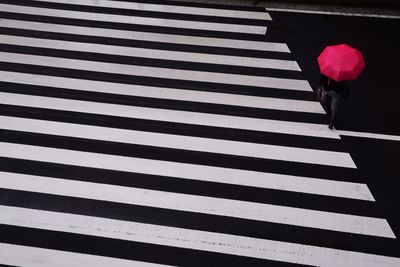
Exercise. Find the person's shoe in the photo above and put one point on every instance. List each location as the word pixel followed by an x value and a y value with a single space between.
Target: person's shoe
pixel 330 126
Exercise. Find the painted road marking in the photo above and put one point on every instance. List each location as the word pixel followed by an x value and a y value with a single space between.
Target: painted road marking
pixel 185 24
pixel 169 8
pixel 335 13
pixel 17 255
pixel 157 72
pixel 275 152
pixel 188 171
pixel 200 204
pixel 369 135
pixel 163 93
pixel 147 36
pixel 152 53
pixel 177 116
pixel 191 239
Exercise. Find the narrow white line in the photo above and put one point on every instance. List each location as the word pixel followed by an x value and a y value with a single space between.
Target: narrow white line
pixel 147 36
pixel 294 154
pixel 188 171
pixel 199 204
pixel 17 255
pixel 369 135
pixel 188 117
pixel 210 26
pixel 166 73
pixel 169 8
pixel 332 13
pixel 152 53
pixel 192 239
pixel 163 93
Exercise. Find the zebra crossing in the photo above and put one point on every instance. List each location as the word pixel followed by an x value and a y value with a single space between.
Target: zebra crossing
pixel 155 133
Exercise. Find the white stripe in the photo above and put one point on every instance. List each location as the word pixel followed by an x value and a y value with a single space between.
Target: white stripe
pixel 169 8
pixel 147 36
pixel 188 117
pixel 152 53
pixel 210 26
pixel 17 255
pixel 335 13
pixel 163 93
pixel 166 73
pixel 188 171
pixel 192 239
pixel 236 148
pixel 369 135
pixel 199 204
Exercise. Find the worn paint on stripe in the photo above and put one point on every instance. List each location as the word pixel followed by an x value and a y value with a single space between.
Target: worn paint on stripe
pixel 17 255
pixel 199 204
pixel 147 36
pixel 169 8
pixel 185 24
pixel 189 171
pixel 163 93
pixel 158 72
pixel 191 239
pixel 152 53
pixel 187 117
pixel 303 155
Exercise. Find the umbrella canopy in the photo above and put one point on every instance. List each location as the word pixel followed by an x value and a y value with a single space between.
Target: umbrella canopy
pixel 341 62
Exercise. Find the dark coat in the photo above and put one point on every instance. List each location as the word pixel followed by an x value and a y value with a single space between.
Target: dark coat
pixel 330 84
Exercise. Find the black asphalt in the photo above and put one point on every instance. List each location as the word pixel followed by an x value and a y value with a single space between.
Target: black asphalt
pixel 373 104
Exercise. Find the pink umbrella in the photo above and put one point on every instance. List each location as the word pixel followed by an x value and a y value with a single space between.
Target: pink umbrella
pixel 341 62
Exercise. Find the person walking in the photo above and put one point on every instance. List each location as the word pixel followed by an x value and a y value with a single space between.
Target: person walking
pixel 337 64
pixel 335 91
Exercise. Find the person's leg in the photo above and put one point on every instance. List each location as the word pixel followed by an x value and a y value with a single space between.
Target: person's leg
pixel 334 105
pixel 332 118
pixel 328 105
